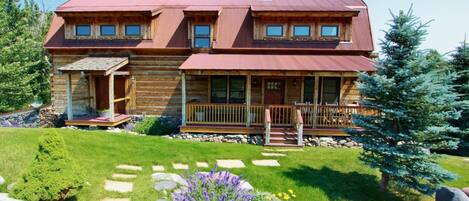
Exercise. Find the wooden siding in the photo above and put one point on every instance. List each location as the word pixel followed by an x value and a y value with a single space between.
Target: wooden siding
pixel 349 91
pixel 156 78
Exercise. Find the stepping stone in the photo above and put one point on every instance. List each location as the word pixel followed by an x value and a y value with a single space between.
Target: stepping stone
pixel 118 186
pixel 230 164
pixel 273 154
pixel 124 176
pixel 160 176
pixel 4 197
pixel 129 167
pixel 466 159
pixel 180 166
pixel 116 199
pixel 165 185
pixel 157 168
pixel 267 163
pixel 201 164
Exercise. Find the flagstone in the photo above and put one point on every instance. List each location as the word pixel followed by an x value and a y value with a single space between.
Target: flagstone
pixel 273 154
pixel 180 166
pixel 157 168
pixel 129 167
pixel 201 164
pixel 230 164
pixel 124 176
pixel 268 163
pixel 118 186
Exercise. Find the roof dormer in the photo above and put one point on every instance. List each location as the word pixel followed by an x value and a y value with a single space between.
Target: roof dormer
pixel 202 22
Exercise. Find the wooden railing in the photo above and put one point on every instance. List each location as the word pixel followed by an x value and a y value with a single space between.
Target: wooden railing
pixel 211 114
pixel 268 125
pixel 298 125
pixel 313 116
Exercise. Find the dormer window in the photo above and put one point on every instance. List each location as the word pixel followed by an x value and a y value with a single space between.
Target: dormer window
pixel 330 31
pixel 202 36
pixel 133 30
pixel 108 30
pixel 274 30
pixel 83 30
pixel 301 31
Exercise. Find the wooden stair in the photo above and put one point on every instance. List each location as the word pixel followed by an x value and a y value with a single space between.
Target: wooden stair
pixel 283 137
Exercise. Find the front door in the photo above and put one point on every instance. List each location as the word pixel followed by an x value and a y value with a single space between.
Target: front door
pixel 274 92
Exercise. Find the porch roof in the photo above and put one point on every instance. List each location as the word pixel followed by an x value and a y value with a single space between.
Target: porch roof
pixel 330 63
pixel 104 65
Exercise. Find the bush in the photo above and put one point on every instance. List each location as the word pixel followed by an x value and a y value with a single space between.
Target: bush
pixel 156 126
pixel 214 186
pixel 53 175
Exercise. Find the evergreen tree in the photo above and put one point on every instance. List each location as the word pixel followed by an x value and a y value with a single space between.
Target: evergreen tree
pixel 460 64
pixel 414 102
pixel 24 68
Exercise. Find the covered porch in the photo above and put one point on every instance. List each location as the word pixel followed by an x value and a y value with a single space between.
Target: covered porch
pixel 282 97
pixel 109 87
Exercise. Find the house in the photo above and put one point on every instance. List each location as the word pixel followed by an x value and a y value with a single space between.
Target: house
pixel 282 68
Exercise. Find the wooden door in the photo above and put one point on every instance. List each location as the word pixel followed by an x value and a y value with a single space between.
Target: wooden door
pixel 274 92
pixel 102 93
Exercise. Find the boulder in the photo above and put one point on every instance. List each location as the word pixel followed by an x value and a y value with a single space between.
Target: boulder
pixel 165 185
pixel 2 180
pixel 450 194
pixel 466 191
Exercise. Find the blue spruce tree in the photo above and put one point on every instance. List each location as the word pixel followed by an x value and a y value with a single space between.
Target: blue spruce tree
pixel 414 101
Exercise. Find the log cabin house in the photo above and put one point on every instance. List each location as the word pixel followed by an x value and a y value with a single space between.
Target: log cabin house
pixel 279 68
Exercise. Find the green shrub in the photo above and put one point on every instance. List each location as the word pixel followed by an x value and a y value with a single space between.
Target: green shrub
pixel 156 126
pixel 53 175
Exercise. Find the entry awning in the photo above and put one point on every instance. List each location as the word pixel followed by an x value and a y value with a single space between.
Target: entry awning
pixel 99 65
pixel 335 63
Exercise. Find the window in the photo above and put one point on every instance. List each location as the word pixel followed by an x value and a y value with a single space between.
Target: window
pixel 330 90
pixel 220 85
pixel 132 30
pixel 83 30
pixel 301 31
pixel 308 92
pixel 330 31
pixel 274 30
pixel 202 36
pixel 108 30
pixel 219 89
pixel 237 89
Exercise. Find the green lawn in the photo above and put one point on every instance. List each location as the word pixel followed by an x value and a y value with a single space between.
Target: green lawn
pixel 315 174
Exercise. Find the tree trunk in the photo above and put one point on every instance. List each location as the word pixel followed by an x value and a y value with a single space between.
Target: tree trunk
pixel 383 186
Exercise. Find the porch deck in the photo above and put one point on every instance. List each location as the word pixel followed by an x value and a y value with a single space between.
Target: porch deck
pixel 99 121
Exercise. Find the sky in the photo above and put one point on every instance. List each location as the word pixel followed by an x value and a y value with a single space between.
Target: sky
pixel 446 31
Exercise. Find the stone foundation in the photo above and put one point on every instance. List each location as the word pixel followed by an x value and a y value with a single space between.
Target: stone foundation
pixel 34 118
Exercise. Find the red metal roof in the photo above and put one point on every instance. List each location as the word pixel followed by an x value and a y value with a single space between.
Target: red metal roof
pixel 278 62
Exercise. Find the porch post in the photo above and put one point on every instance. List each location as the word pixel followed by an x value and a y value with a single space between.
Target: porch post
pixel 315 100
pixel 69 97
pixel 111 96
pixel 248 100
pixel 183 95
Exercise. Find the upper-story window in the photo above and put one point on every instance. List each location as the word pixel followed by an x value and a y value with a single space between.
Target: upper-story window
pixel 83 30
pixel 330 31
pixel 274 31
pixel 133 30
pixel 301 30
pixel 108 30
pixel 201 36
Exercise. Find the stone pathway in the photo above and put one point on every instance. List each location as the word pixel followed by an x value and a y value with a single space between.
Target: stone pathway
pixel 180 166
pixel 230 164
pixel 201 164
pixel 124 176
pixel 157 168
pixel 266 163
pixel 129 167
pixel 274 154
pixel 118 186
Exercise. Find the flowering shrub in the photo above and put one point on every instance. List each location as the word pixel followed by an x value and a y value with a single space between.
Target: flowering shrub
pixel 290 195
pixel 214 186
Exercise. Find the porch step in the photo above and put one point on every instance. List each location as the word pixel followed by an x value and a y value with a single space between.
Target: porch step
pixel 283 137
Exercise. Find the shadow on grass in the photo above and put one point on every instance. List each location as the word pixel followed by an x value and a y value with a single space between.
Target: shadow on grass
pixel 337 185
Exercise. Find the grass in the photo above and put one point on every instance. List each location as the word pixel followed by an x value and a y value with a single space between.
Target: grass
pixel 315 174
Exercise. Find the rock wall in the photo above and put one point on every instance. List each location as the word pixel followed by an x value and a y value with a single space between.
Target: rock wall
pixel 43 117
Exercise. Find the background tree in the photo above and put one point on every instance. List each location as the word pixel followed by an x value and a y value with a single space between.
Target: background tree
pixel 414 102
pixel 53 175
pixel 460 64
pixel 24 68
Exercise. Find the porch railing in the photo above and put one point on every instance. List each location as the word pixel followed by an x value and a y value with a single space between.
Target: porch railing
pixel 313 116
